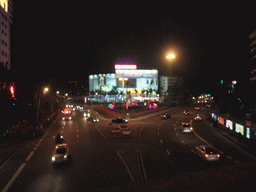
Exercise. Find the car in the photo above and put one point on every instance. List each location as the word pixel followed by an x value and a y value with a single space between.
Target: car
pixel 165 116
pixel 197 108
pixel 114 129
pixel 198 118
pixel 207 153
pixel 60 153
pixel 125 130
pixel 186 128
pixel 95 119
pixel 87 113
pixel 186 112
pixel 119 120
pixel 67 114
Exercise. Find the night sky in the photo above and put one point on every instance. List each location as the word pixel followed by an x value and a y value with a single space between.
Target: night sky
pixel 70 41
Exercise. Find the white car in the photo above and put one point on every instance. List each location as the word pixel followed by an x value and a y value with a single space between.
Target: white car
pixel 60 153
pixel 186 128
pixel 125 130
pixel 207 153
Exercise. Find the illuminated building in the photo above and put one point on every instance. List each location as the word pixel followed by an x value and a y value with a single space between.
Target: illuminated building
pixel 141 84
pixel 5 23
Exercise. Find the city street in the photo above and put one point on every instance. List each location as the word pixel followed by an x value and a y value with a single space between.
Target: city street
pixel 157 155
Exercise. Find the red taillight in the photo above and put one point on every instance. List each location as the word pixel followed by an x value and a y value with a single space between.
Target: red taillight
pixel 218 155
pixel 206 155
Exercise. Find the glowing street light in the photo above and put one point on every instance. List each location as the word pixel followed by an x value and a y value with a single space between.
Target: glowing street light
pixel 170 56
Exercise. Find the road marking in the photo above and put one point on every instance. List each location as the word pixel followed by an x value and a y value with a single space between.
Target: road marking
pixel 142 165
pixel 182 141
pixel 177 134
pixel 229 157
pixel 161 141
pixel 167 152
pixel 77 135
pixel 158 134
pixel 158 128
pixel 174 128
pixel 13 178
pixel 101 133
pixel 30 155
pixel 140 131
pixel 125 164
pixel 61 131
pixel 35 149
pixel 174 124
pixel 77 130
pixel 193 151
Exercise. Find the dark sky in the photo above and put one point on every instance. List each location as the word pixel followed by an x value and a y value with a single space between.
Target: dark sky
pixel 73 40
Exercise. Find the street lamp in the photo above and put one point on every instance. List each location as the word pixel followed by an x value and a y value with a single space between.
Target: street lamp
pixel 123 79
pixel 46 89
pixel 170 57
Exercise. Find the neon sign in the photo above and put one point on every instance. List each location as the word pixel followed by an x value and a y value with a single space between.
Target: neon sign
pixel 125 67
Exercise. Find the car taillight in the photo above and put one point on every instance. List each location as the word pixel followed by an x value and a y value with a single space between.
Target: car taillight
pixel 206 155
pixel 218 155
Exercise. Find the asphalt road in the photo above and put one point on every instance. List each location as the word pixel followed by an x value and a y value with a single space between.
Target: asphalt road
pixel 156 156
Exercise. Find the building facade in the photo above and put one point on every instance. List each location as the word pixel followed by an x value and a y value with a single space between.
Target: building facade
pixel 137 85
pixel 6 20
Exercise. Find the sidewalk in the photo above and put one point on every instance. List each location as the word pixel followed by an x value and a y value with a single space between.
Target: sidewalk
pixel 241 141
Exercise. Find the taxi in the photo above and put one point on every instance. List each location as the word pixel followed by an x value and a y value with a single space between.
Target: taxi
pixel 198 118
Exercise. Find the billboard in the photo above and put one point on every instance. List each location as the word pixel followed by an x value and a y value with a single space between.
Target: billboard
pixel 125 67
pixel 140 73
pixel 229 124
pixel 221 120
pixel 239 128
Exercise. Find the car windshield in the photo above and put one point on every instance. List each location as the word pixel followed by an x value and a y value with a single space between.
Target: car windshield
pixel 61 151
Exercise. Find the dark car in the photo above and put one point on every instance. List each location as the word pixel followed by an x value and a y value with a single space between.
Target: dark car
pixel 198 108
pixel 165 116
pixel 119 120
pixel 186 112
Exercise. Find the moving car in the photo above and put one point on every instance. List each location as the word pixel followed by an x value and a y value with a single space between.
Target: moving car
pixel 60 153
pixel 114 129
pixel 207 153
pixel 87 113
pixel 119 120
pixel 125 130
pixel 198 108
pixel 186 112
pixel 186 128
pixel 67 114
pixel 198 118
pixel 95 119
pixel 165 116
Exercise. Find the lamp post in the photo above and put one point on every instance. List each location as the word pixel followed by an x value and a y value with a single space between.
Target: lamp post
pixel 123 79
pixel 170 58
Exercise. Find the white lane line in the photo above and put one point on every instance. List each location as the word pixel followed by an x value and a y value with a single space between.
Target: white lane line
pixel 229 157
pixel 45 135
pixel 101 133
pixel 193 151
pixel 142 165
pixel 30 155
pixel 77 130
pixel 13 178
pixel 34 149
pixel 158 128
pixel 175 128
pixel 167 152
pixel 174 124
pixel 158 134
pixel 125 164
pixel 182 141
pixel 161 141
pixel 140 131
pixel 77 135
pixel 177 134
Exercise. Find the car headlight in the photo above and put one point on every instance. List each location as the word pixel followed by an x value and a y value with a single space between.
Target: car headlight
pixel 69 117
pixel 65 156
pixel 53 158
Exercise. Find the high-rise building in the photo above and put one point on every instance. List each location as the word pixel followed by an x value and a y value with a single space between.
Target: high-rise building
pixel 252 37
pixel 6 20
